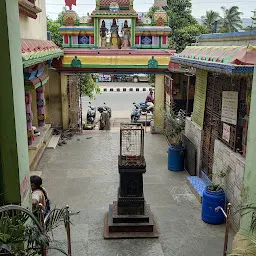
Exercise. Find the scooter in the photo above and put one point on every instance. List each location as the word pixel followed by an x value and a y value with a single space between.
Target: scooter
pixel 145 108
pixel 136 113
pixel 91 114
pixel 90 117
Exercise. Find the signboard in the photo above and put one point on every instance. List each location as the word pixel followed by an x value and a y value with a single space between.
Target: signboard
pixel 199 98
pixel 226 132
pixel 229 107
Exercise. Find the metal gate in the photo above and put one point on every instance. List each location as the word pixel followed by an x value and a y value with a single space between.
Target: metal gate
pixel 213 126
pixel 75 103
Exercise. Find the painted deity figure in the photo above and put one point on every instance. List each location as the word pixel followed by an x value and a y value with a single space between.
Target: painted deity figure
pixel 114 41
pixel 126 35
pixel 103 34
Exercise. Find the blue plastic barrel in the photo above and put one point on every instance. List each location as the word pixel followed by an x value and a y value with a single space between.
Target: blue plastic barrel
pixel 210 201
pixel 176 158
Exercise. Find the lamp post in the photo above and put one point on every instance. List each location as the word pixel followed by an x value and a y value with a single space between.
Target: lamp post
pixel 215 26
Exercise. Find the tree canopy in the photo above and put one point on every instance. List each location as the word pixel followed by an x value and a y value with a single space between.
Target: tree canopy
pixel 89 86
pixel 231 20
pixel 53 27
pixel 184 26
pixel 151 11
pixel 209 19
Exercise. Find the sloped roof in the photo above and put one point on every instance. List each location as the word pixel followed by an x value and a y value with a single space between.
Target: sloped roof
pixel 229 59
pixel 37 51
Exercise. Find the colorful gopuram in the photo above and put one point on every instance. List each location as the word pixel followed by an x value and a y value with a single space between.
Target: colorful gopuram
pixel 114 39
pixel 100 29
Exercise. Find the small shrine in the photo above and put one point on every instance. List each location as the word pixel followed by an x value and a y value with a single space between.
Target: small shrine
pixel 114 25
pixel 130 216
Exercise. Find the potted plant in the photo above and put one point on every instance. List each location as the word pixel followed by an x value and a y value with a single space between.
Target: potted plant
pixel 174 125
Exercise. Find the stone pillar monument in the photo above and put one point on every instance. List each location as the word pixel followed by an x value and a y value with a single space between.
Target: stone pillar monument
pixel 130 216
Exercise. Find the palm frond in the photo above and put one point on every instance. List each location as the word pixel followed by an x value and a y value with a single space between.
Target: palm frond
pixel 56 217
pixel 18 226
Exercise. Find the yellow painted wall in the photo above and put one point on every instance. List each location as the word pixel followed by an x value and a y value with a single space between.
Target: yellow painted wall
pixel 54 100
pixel 64 99
pixel 117 60
pixel 34 28
pixel 159 103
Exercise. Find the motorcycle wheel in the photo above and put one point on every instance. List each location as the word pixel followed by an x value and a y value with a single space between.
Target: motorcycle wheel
pixel 134 120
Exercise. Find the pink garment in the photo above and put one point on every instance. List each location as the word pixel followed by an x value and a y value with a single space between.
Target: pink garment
pixel 149 98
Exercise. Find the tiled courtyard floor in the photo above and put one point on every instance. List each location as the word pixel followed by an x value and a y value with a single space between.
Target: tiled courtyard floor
pixel 84 175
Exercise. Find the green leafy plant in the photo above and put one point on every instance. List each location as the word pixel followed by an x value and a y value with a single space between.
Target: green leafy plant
pixel 231 20
pixel 217 187
pixel 246 245
pixel 184 26
pixel 53 28
pixel 209 19
pixel 19 226
pixel 89 86
pixel 151 80
pixel 22 234
pixel 174 125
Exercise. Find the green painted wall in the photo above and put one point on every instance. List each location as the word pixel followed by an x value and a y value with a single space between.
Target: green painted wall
pixel 133 32
pixel 96 31
pixel 14 164
pixel 250 161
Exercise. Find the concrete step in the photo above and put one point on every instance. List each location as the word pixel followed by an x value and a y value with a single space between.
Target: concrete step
pixel 53 141
pixel 198 185
pixel 37 158
pixel 48 136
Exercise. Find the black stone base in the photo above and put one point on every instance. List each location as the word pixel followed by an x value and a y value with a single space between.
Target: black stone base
pixel 130 205
pixel 129 226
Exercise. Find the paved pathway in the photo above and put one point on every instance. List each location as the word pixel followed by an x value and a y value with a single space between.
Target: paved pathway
pixel 84 175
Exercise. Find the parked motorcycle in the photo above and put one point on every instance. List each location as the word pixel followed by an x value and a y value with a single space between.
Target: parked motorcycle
pixel 136 113
pixel 91 114
pixel 90 117
pixel 145 108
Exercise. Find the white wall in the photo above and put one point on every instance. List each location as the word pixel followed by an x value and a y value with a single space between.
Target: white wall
pixel 232 164
pixel 34 28
pixel 238 39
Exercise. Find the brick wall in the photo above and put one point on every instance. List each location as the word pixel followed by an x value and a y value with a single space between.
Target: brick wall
pixel 232 164
pixel 195 134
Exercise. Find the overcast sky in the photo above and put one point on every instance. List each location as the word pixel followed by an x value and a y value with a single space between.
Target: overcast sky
pixel 199 7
